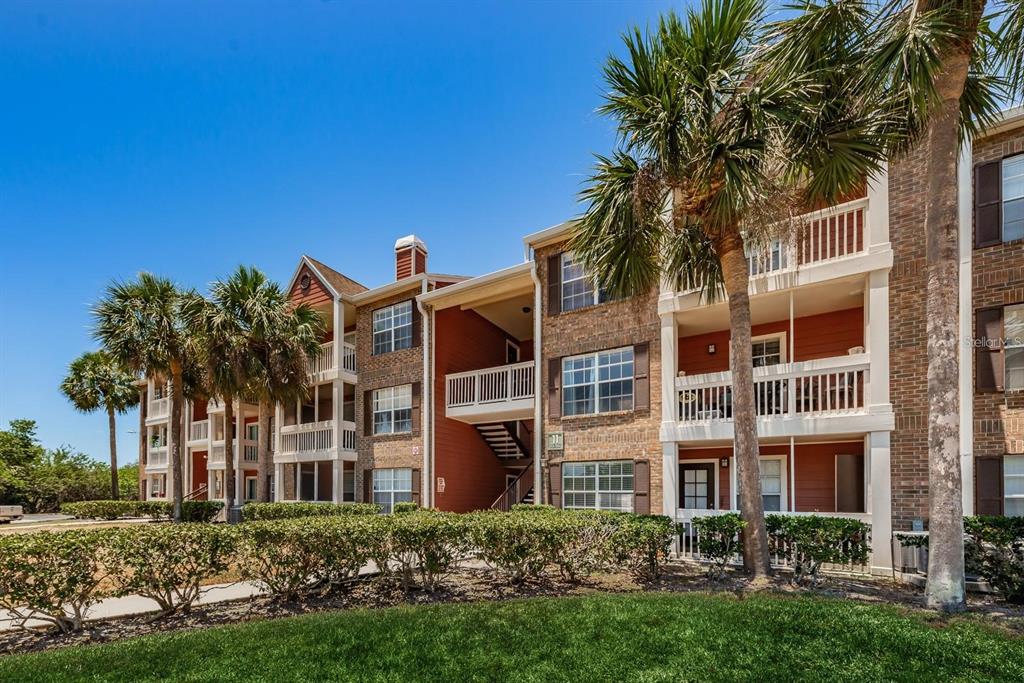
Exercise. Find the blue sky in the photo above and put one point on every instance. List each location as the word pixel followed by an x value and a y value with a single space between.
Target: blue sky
pixel 185 138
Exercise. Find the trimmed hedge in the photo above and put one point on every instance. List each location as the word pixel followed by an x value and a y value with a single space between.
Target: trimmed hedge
pixel 721 539
pixel 191 510
pixel 267 511
pixel 995 550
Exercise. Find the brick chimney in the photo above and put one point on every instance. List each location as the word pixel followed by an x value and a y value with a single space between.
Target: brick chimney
pixel 410 257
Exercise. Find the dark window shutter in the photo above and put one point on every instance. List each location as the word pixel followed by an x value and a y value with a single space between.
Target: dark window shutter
pixel 368 486
pixel 416 406
pixel 641 377
pixel 416 484
pixel 555 484
pixel 988 486
pixel 554 387
pixel 642 487
pixel 417 325
pixel 555 284
pixel 988 332
pixel 988 203
pixel 368 413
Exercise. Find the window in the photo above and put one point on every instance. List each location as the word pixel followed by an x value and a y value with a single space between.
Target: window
pixel 392 410
pixel 392 328
pixel 252 432
pixel 771 485
pixel 598 485
pixel 250 488
pixel 767 351
pixel 1013 198
pixel 1013 485
pixel 392 486
pixel 579 289
pixel 598 382
pixel 1013 345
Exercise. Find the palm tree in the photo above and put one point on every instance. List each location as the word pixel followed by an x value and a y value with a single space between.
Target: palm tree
pixel 220 323
pixel 718 150
pixel 939 70
pixel 95 380
pixel 140 323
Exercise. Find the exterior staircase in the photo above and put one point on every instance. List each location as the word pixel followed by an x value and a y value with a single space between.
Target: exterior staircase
pixel 503 439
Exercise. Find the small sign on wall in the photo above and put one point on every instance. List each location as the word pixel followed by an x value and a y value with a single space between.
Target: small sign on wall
pixel 440 484
pixel 555 441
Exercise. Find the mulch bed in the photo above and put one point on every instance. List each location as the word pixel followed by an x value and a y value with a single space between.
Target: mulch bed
pixel 476 585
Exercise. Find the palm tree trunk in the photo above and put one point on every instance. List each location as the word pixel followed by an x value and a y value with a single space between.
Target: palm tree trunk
pixel 748 474
pixel 263 452
pixel 112 427
pixel 945 588
pixel 229 451
pixel 177 399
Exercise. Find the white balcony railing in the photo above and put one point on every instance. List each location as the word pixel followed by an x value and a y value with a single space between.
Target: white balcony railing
pixel 159 407
pixel 308 438
pixel 348 356
pixel 492 385
pixel 348 436
pixel 822 236
pixel 156 456
pixel 323 362
pixel 199 430
pixel 216 454
pixel 829 386
pixel 250 451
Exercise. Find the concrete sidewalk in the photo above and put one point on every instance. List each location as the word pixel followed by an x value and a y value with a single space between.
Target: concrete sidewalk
pixel 136 604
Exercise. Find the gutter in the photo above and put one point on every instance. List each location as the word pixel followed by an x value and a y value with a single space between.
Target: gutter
pixel 427 480
pixel 538 424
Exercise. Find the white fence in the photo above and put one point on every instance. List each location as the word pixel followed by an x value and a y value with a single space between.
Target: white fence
pixel 323 361
pixel 159 407
pixel 491 385
pixel 308 438
pixel 348 356
pixel 199 430
pixel 828 386
pixel 156 456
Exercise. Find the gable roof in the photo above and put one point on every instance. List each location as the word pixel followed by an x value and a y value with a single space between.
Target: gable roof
pixel 342 284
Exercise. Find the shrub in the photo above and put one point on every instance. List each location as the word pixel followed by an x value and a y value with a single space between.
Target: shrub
pixel 642 544
pixel 517 546
pixel 720 539
pixel 809 541
pixel 529 507
pixel 585 542
pixel 268 511
pixel 115 509
pixel 199 510
pixel 283 556
pixel 52 576
pixel 405 507
pixel 169 563
pixel 995 548
pixel 427 545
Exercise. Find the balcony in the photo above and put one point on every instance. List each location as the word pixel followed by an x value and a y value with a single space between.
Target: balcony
pixel 198 432
pixel 322 366
pixel 822 396
pixel 158 409
pixel 491 395
pixel 317 440
pixel 156 457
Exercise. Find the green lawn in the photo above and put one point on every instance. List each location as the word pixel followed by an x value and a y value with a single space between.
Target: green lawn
pixel 648 637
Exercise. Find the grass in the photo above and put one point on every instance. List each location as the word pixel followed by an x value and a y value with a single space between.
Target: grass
pixel 638 637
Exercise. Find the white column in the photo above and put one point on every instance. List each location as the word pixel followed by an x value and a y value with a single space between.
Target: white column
pixel 965 198
pixel 538 389
pixel 876 339
pixel 879 500
pixel 669 368
pixel 278 482
pixel 237 445
pixel 337 472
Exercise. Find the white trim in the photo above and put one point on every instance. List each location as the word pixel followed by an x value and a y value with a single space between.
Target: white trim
pixel 426 407
pixel 539 389
pixel 511 344
pixel 556 233
pixel 697 461
pixel 468 285
pixel 409 283
pixel 965 196
pixel 305 260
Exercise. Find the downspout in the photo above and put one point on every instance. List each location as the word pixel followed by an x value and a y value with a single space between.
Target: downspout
pixel 538 423
pixel 427 482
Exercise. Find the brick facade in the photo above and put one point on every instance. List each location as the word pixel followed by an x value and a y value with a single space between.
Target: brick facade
pixel 631 435
pixel 998 280
pixel 395 368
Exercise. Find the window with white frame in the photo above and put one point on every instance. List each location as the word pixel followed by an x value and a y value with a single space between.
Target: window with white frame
pixel 1013 198
pixel 771 484
pixel 392 486
pixel 392 410
pixel 250 488
pixel 1013 346
pixel 579 288
pixel 392 328
pixel 1013 485
pixel 599 382
pixel 598 485
pixel 768 350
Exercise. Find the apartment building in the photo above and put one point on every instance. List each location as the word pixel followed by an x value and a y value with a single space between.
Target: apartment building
pixel 530 384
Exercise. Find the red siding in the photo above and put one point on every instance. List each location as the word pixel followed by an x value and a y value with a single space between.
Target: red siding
pixel 816 336
pixel 474 476
pixel 316 294
pixel 815 471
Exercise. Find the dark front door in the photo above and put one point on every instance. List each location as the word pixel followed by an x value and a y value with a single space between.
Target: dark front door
pixel 697 486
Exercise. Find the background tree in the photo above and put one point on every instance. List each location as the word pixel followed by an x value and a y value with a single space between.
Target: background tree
pixel 719 148
pixel 938 71
pixel 141 324
pixel 95 380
